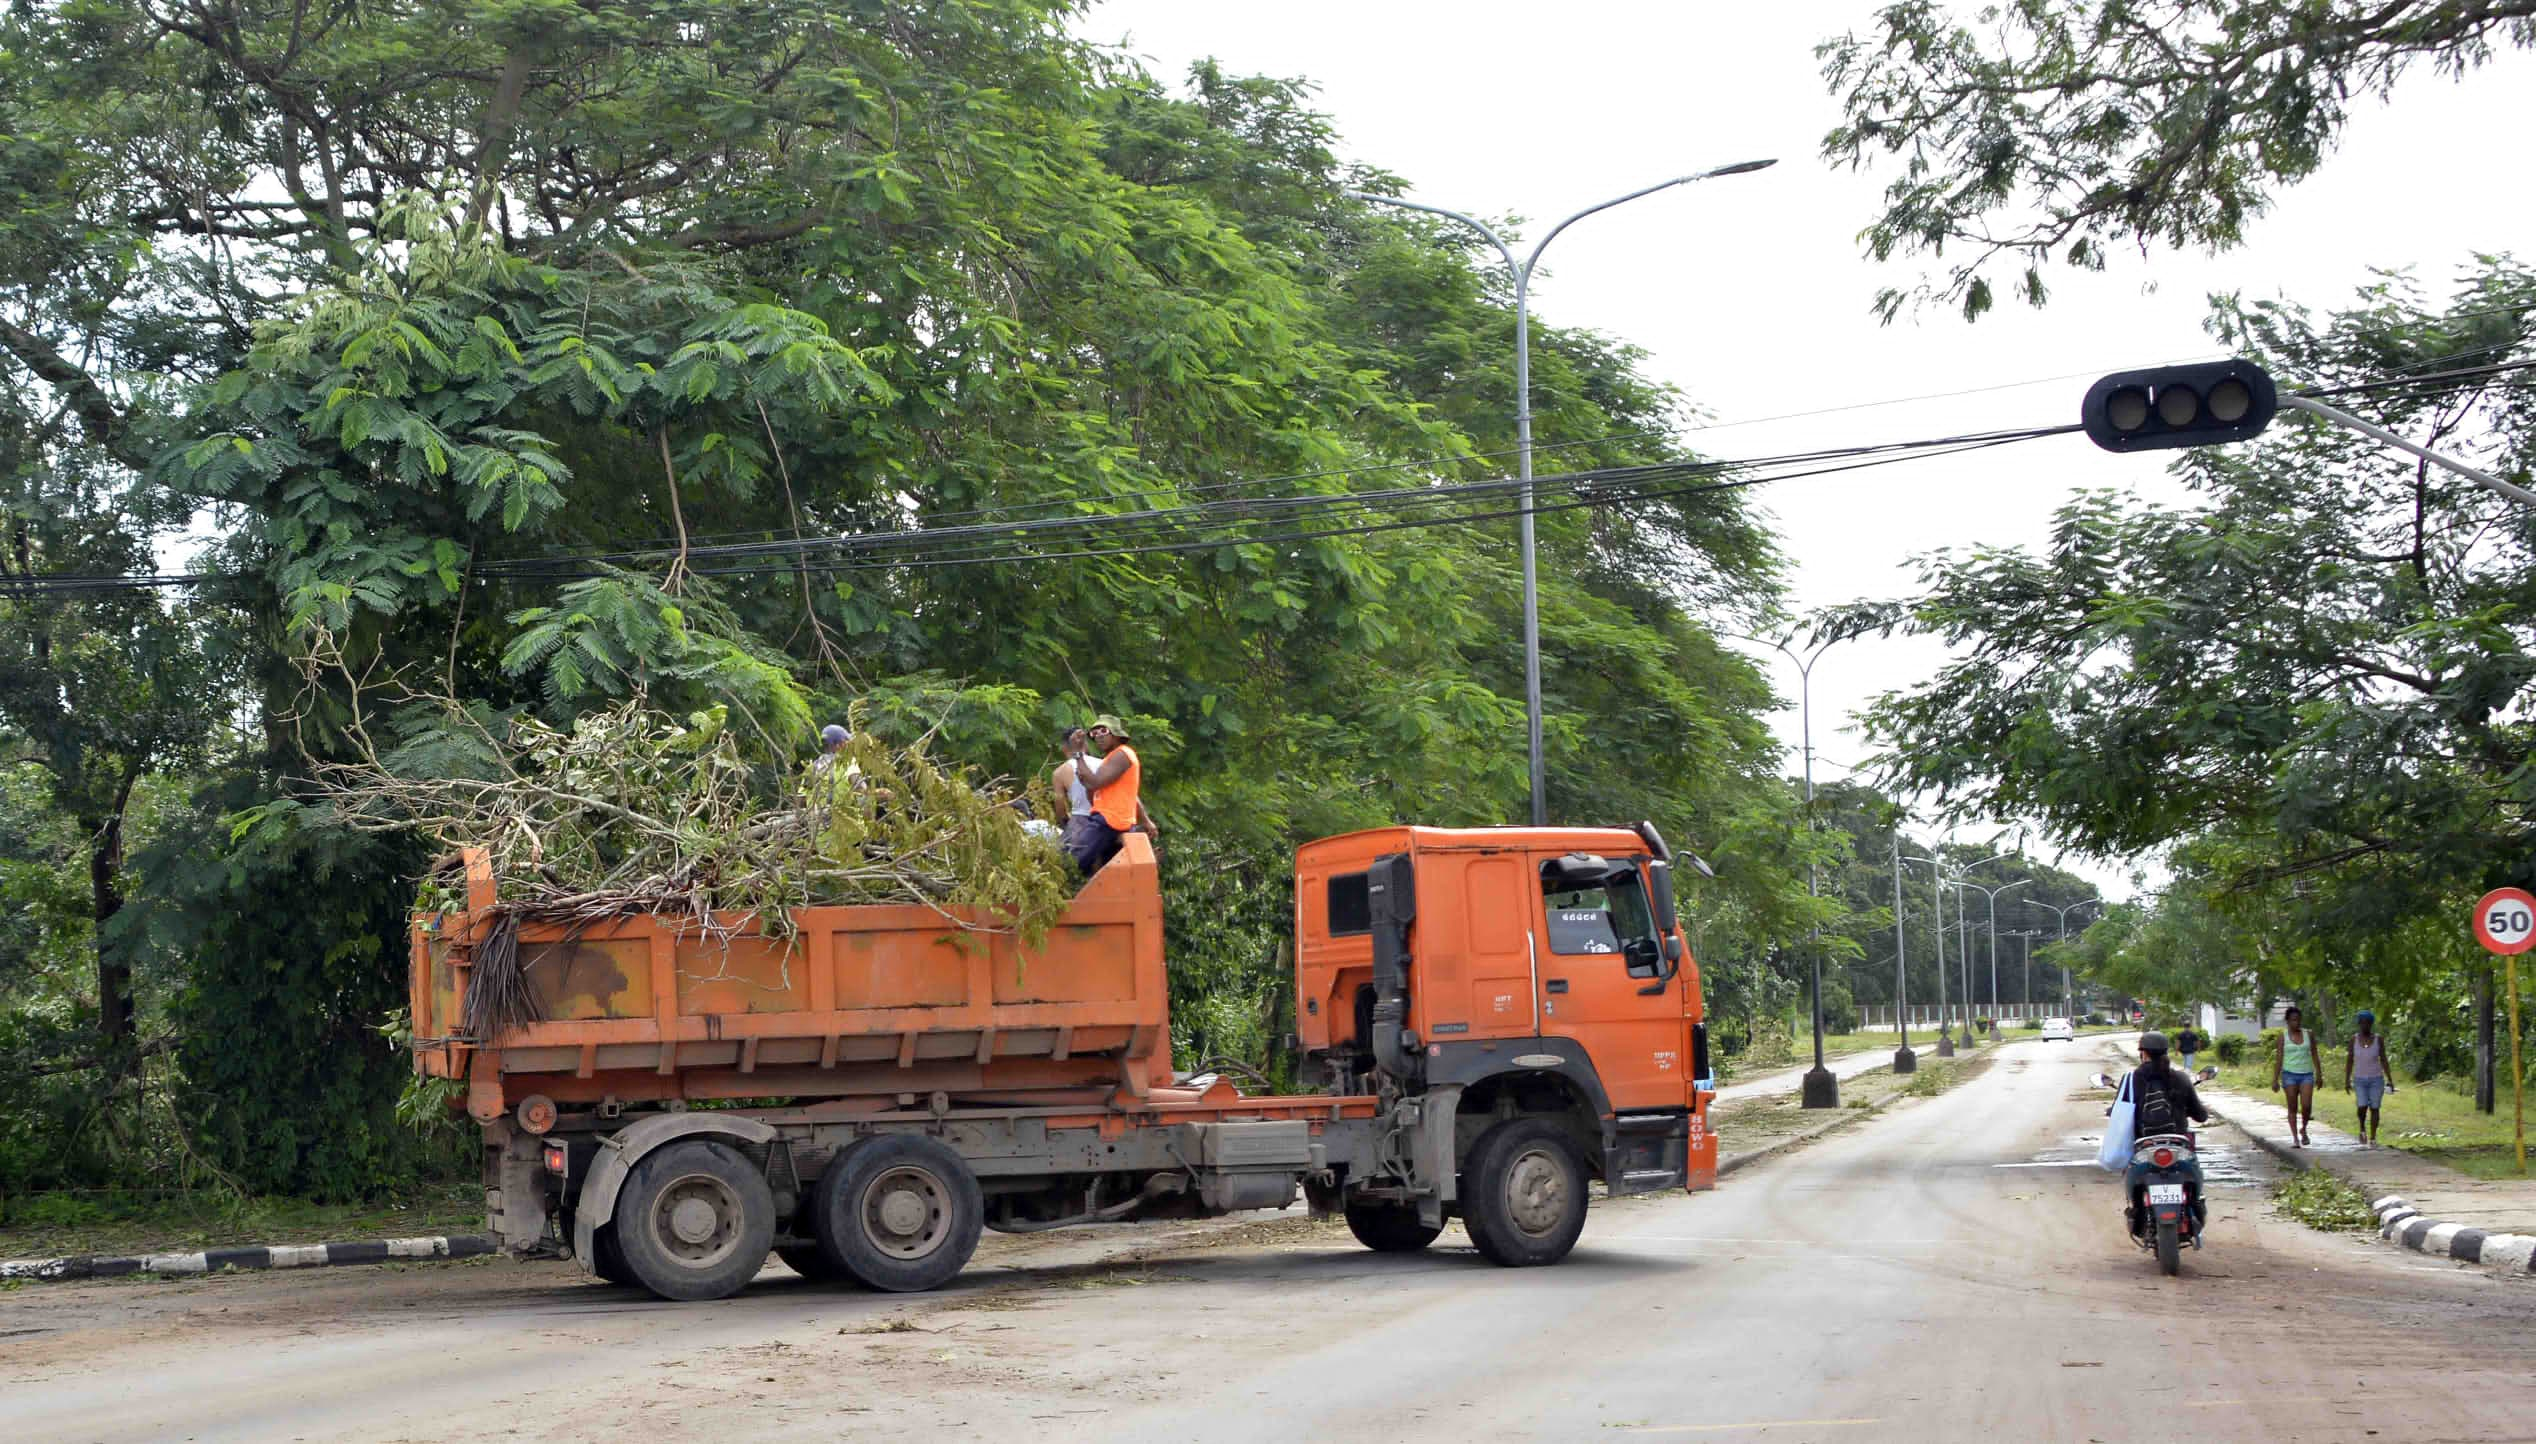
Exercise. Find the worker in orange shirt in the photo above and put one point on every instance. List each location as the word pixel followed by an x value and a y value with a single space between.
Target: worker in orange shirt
pixel 1115 782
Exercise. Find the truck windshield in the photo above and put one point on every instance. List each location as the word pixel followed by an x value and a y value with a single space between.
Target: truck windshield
pixel 1607 918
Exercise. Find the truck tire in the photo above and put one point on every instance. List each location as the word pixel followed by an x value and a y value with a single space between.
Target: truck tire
pixel 806 1260
pixel 694 1221
pixel 898 1212
pixel 1523 1196
pixel 1389 1227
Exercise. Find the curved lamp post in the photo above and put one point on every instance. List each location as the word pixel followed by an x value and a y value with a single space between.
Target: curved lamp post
pixel 1522 274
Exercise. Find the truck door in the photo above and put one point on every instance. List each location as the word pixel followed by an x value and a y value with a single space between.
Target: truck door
pixel 1605 983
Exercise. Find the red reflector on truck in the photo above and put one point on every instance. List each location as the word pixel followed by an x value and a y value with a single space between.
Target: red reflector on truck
pixel 556 1159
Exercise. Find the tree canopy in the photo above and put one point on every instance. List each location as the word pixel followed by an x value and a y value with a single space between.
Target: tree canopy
pixel 446 338
pixel 2059 131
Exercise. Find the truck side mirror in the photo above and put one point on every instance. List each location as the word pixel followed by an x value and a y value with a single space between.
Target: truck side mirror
pixel 1660 896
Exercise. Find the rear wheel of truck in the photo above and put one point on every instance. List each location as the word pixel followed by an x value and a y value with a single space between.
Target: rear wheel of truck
pixel 898 1212
pixel 1523 1196
pixel 1389 1227
pixel 694 1221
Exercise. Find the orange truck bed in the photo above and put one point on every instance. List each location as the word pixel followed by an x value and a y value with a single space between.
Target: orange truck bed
pixel 873 1005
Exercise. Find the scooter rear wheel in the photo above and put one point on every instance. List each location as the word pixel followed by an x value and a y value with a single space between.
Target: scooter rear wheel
pixel 2170 1256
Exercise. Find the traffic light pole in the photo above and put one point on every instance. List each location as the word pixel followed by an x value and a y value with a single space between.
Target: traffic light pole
pixel 2380 434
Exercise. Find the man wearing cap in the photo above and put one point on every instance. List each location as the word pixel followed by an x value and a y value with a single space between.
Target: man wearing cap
pixel 1115 783
pixel 2364 1072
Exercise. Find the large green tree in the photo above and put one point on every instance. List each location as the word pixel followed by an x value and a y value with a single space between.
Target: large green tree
pixel 471 328
pixel 2315 671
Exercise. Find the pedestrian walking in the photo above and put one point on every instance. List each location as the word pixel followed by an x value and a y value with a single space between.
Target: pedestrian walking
pixel 2365 1073
pixel 2187 1043
pixel 2294 1073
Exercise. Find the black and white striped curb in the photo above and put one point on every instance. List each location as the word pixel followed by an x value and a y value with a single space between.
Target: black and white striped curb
pixel 2402 1223
pixel 268 1256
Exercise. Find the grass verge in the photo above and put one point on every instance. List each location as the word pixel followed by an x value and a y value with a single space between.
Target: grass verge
pixel 57 1225
pixel 2435 1120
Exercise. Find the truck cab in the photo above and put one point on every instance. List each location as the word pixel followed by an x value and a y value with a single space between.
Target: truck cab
pixel 1504 973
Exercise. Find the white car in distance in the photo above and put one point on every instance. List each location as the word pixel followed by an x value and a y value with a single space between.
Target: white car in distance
pixel 2058 1030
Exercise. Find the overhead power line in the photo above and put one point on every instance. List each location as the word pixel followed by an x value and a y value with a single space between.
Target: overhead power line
pixel 1282 519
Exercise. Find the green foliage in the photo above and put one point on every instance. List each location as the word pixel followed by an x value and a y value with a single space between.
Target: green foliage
pixel 498 389
pixel 284 1082
pixel 2307 683
pixel 2068 130
pixel 2321 1201
pixel 2231 1048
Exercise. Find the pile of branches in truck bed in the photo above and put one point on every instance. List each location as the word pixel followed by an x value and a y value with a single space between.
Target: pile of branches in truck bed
pixel 629 810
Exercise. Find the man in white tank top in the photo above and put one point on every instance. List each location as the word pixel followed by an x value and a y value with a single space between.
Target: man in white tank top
pixel 2365 1073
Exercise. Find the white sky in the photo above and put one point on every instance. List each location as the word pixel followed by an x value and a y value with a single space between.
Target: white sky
pixel 1749 291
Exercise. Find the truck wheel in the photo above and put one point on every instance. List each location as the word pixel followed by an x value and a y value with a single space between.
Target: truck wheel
pixel 1523 1196
pixel 1389 1227
pixel 606 1259
pixel 806 1260
pixel 898 1212
pixel 694 1221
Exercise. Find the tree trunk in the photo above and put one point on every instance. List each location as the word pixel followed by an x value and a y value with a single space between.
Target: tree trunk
pixel 2484 1092
pixel 114 970
pixel 115 1012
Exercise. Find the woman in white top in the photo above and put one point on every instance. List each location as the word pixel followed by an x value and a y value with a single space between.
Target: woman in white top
pixel 2364 1072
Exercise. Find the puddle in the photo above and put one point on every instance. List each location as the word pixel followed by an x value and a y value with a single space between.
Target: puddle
pixel 2222 1166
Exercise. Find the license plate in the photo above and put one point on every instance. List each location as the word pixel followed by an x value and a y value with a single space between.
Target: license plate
pixel 2166 1193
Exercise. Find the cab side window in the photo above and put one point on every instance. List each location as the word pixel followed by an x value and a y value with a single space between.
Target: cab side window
pixel 1607 918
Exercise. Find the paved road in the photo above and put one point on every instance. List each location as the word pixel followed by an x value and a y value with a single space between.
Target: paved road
pixel 1951 1269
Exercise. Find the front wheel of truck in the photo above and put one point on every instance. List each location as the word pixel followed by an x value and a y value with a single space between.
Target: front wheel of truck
pixel 1523 1196
pixel 1389 1227
pixel 898 1212
pixel 694 1221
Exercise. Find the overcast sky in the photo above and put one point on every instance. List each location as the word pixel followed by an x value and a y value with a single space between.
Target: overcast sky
pixel 1749 291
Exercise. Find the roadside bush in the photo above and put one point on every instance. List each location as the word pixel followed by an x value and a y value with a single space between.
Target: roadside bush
pixel 2231 1048
pixel 2032 1025
pixel 1984 1025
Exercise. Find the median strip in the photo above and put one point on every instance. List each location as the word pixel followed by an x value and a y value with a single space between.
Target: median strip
pixel 264 1256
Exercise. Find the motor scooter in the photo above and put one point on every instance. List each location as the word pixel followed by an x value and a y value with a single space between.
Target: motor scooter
pixel 2163 1207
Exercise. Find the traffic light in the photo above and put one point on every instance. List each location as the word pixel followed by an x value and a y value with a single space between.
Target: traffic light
pixel 2166 406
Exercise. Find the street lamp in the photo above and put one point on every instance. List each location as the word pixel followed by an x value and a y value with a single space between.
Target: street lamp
pixel 1821 1089
pixel 1904 1060
pixel 1522 275
pixel 1991 895
pixel 1963 937
pixel 1937 901
pixel 2060 915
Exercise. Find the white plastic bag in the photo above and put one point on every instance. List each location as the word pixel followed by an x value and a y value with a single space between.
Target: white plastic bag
pixel 2120 1125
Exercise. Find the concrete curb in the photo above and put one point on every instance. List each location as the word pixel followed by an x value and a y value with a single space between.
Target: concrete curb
pixel 263 1256
pixel 2400 1222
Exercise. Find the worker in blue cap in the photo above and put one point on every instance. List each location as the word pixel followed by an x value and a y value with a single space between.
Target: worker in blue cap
pixel 2365 1073
pixel 832 740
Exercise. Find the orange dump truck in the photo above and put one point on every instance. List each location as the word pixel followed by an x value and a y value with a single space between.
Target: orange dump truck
pixel 1500 1015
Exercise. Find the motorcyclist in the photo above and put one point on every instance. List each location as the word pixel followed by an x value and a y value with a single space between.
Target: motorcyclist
pixel 2176 1103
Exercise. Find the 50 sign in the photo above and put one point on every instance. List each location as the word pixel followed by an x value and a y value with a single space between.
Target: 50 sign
pixel 2505 920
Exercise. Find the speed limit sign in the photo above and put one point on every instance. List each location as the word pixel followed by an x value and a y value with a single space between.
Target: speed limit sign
pixel 2505 921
